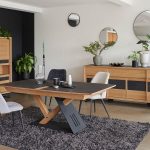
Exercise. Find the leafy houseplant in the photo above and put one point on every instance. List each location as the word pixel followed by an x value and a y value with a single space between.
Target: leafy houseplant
pixel 25 64
pixel 4 32
pixel 144 53
pixel 96 49
pixel 134 57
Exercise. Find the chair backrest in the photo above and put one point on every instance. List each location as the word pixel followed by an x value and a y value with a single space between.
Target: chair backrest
pixel 3 105
pixel 101 77
pixel 57 73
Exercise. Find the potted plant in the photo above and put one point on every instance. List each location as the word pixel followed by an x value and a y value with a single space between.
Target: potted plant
pixel 4 32
pixel 134 57
pixel 96 49
pixel 144 54
pixel 25 64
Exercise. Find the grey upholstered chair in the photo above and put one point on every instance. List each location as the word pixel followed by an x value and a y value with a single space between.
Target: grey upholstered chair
pixel 100 77
pixel 56 73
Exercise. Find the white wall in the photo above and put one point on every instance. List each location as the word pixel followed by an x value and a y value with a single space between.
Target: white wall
pixel 63 44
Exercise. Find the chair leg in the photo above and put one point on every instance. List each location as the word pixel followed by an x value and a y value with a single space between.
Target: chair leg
pixel 105 108
pixel 13 118
pixel 21 120
pixel 2 124
pixel 94 106
pixel 80 106
pixel 91 108
pixel 50 101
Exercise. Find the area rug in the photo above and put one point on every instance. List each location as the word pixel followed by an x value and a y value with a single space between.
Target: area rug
pixel 100 134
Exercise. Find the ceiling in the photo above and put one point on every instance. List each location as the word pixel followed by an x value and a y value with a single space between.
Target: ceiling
pixel 37 6
pixel 52 3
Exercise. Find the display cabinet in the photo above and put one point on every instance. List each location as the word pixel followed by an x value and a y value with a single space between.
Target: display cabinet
pixel 5 62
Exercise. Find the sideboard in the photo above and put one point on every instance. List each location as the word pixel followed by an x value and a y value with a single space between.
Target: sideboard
pixel 132 84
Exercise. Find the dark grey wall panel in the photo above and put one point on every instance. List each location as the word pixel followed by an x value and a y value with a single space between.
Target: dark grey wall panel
pixel 21 25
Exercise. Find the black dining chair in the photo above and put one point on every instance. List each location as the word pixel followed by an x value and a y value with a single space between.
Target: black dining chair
pixel 56 73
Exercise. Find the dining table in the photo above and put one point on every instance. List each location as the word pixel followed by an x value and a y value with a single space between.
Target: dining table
pixel 64 96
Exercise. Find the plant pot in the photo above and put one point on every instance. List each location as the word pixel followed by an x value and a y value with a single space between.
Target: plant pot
pixel 134 63
pixel 97 59
pixel 26 75
pixel 144 59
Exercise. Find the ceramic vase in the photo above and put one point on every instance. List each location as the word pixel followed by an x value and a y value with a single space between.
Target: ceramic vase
pixel 144 58
pixel 26 75
pixel 97 59
pixel 134 63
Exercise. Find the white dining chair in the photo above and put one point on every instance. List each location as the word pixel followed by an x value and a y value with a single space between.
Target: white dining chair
pixel 100 77
pixel 10 107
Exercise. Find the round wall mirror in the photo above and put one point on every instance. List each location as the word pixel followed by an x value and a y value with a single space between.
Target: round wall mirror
pixel 141 25
pixel 108 35
pixel 73 19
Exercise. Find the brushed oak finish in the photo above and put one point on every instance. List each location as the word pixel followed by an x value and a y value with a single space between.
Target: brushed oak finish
pixel 127 74
pixel 5 55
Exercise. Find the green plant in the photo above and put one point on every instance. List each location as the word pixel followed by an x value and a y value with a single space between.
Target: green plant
pixel 4 32
pixel 25 64
pixel 134 56
pixel 96 49
pixel 145 43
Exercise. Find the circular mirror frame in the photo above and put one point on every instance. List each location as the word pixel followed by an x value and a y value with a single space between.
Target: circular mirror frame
pixel 74 23
pixel 114 31
pixel 135 21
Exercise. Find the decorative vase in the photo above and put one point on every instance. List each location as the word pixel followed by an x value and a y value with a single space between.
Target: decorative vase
pixel 144 59
pixel 97 59
pixel 134 63
pixel 26 75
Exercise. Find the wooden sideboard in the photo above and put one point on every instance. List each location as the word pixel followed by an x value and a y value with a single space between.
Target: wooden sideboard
pixel 132 84
pixel 5 62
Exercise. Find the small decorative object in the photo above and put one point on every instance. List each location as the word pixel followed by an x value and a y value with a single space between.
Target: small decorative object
pixel 70 80
pixel 73 19
pixel 135 58
pixel 40 76
pixel 144 54
pixel 108 34
pixel 56 81
pixel 117 64
pixel 96 49
pixel 25 64
pixel 44 60
pixel 4 32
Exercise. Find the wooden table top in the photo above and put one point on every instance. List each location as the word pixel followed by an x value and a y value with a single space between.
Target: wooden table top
pixel 81 90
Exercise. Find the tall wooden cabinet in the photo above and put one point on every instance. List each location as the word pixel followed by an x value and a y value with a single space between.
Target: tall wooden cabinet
pixel 5 62
pixel 131 83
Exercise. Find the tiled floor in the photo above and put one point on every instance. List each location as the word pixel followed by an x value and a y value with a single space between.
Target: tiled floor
pixel 120 110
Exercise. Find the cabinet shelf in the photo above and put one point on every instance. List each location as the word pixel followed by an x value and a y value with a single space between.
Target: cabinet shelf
pixel 4 75
pixel 4 64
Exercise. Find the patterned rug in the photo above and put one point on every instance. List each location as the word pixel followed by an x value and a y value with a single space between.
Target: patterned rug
pixel 100 134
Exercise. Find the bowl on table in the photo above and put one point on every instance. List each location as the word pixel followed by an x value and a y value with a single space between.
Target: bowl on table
pixel 116 64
